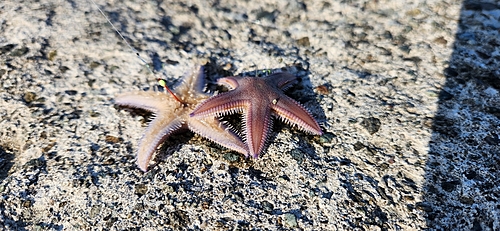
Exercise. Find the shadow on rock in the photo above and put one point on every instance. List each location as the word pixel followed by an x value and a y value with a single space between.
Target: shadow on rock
pixel 6 163
pixel 463 169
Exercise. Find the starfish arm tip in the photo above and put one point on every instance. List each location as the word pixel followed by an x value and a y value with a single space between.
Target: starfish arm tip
pixel 230 82
pixel 143 161
pixel 315 130
pixel 143 168
pixel 317 133
pixel 197 114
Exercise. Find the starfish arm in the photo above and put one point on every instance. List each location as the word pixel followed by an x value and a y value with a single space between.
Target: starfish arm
pixel 158 131
pixel 282 80
pixel 223 104
pixel 292 112
pixel 192 83
pixel 147 100
pixel 258 124
pixel 230 82
pixel 212 129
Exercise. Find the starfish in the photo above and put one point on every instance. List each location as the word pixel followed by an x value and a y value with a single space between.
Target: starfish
pixel 172 115
pixel 258 99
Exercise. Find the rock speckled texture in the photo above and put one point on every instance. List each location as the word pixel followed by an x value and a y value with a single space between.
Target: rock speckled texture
pixel 407 93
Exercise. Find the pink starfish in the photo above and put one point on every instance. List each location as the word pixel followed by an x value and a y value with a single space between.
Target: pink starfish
pixel 172 115
pixel 258 99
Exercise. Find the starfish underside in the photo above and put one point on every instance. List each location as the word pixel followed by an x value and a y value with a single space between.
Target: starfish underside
pixel 258 99
pixel 171 115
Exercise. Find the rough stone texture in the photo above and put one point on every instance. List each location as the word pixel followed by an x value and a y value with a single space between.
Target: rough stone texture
pixel 407 93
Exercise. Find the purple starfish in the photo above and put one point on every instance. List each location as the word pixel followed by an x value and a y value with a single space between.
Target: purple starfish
pixel 258 99
pixel 172 115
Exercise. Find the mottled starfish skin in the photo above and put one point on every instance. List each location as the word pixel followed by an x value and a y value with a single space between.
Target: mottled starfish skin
pixel 170 116
pixel 258 99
